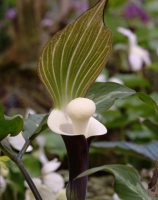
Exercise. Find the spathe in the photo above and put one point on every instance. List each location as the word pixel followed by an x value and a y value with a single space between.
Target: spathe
pixel 61 124
pixel 77 126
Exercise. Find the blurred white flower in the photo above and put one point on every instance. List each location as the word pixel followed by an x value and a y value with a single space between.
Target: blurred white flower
pixel 115 197
pixel 41 154
pixel 51 179
pixel 17 142
pixel 76 119
pixel 51 182
pixel 50 166
pixel 41 140
pixel 29 111
pixel 101 78
pixel 137 55
pixel 115 80
pixel 44 191
pixel 3 185
pixel 4 171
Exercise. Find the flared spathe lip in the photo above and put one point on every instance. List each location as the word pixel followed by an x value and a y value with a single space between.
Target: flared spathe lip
pixel 60 123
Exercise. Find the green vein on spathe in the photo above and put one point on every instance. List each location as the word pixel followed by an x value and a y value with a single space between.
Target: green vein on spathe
pixel 73 58
pixel 76 48
pixel 91 74
pixel 82 65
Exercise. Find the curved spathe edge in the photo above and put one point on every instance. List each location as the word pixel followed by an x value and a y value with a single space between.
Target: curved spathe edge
pixel 60 123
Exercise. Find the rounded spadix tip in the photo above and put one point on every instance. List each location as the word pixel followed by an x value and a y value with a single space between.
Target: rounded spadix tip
pixel 80 108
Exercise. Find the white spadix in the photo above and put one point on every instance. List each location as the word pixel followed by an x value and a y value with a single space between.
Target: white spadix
pixel 80 110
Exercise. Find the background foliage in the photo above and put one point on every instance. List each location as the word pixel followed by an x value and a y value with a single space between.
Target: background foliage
pixel 132 122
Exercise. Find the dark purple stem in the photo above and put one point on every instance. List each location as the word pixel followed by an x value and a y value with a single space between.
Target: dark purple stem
pixel 77 149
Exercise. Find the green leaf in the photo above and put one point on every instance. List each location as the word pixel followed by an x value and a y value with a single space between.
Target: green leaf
pixel 105 94
pixel 151 126
pixel 134 108
pixel 149 150
pixel 139 132
pixel 54 143
pixel 75 56
pixel 9 125
pixel 134 80
pixel 34 124
pixel 127 181
pixel 33 169
pixel 147 100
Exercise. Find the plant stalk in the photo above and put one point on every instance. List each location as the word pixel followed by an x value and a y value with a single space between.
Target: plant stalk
pixel 28 180
pixel 23 170
pixel 77 149
pixel 23 150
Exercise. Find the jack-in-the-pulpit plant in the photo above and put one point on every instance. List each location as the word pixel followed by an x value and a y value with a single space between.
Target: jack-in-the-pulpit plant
pixel 69 64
